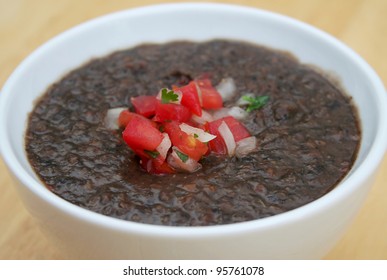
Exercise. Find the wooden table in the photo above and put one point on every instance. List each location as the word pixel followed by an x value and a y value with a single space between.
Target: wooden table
pixel 26 24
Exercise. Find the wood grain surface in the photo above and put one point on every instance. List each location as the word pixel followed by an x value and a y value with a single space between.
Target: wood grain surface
pixel 26 24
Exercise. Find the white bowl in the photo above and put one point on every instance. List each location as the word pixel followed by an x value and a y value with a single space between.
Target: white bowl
pixel 304 233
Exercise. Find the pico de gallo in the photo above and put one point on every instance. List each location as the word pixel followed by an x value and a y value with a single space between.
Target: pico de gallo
pixel 172 131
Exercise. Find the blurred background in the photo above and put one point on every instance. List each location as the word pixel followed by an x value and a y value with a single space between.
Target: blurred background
pixel 26 24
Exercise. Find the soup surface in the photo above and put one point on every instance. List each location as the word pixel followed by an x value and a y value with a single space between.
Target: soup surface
pixel 308 136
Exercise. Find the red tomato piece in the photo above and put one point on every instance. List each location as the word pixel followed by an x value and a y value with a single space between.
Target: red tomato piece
pixel 186 143
pixel 203 82
pixel 124 118
pixel 164 168
pixel 144 105
pixel 216 145
pixel 237 129
pixel 170 111
pixel 141 134
pixel 210 97
pixel 190 98
pixel 151 166
pixel 173 130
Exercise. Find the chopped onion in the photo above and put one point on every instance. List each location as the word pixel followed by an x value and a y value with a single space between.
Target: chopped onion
pixel 226 88
pixel 205 117
pixel 228 138
pixel 176 162
pixel 111 118
pixel 238 113
pixel 147 166
pixel 198 133
pixel 235 111
pixel 245 146
pixel 221 113
pixel 164 146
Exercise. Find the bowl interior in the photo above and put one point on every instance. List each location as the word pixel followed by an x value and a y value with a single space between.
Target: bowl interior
pixel 180 22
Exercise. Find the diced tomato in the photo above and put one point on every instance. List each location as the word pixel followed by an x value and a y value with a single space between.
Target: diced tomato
pixel 124 118
pixel 170 111
pixel 144 105
pixel 190 98
pixel 237 129
pixel 209 96
pixel 151 166
pixel 211 99
pixel 163 169
pixel 140 134
pixel 203 81
pixel 187 144
pixel 140 152
pixel 216 145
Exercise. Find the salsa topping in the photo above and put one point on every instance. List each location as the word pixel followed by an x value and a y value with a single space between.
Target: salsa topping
pixel 172 131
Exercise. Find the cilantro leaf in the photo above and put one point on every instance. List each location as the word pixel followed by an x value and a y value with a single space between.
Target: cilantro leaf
pixel 182 156
pixel 152 154
pixel 168 96
pixel 255 102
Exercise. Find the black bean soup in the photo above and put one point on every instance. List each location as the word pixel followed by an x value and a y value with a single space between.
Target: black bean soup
pixel 308 136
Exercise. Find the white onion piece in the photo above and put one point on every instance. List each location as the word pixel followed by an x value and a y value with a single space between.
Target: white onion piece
pixel 238 113
pixel 226 88
pixel 235 111
pixel 220 113
pixel 228 138
pixel 164 146
pixel 200 134
pixel 148 166
pixel 111 118
pixel 241 101
pixel 175 162
pixel 205 117
pixel 179 96
pixel 245 146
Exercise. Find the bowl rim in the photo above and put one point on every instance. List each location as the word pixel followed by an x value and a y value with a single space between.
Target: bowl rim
pixel 367 167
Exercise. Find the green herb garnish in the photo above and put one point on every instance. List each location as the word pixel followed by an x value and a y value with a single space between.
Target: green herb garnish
pixel 168 96
pixel 182 156
pixel 255 102
pixel 195 135
pixel 152 154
